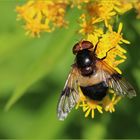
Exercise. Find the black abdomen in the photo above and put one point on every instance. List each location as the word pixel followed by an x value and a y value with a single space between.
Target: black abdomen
pixel 95 92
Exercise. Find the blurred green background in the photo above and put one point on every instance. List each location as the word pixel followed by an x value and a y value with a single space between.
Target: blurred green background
pixel 34 71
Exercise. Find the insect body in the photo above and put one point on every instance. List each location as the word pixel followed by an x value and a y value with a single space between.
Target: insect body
pixel 95 92
pixel 93 76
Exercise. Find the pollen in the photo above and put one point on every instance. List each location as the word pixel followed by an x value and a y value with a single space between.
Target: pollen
pixel 42 16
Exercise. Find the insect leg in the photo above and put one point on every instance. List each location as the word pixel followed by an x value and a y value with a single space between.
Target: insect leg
pixel 107 54
pixel 95 48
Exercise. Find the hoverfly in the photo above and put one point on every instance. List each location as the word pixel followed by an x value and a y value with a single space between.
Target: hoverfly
pixel 94 77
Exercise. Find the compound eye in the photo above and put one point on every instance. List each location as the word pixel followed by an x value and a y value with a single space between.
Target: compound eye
pixel 82 46
pixel 87 45
pixel 76 48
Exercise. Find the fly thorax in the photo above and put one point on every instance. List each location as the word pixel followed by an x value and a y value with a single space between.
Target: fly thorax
pixel 84 61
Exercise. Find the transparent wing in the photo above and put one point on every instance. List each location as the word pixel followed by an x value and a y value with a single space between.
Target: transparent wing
pixel 69 96
pixel 115 81
pixel 121 86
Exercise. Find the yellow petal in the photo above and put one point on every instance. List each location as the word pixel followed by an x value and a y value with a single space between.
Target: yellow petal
pixel 125 41
pixel 120 28
pixel 85 108
pixel 92 113
pixel 99 108
pixel 77 106
pixel 87 113
pixel 121 49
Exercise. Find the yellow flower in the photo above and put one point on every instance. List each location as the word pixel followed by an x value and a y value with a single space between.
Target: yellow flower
pixel 109 103
pixel 90 106
pixel 42 15
pixel 120 6
pixel 78 3
pixel 101 10
pixel 105 10
pixel 111 39
pixel 124 6
pixel 87 27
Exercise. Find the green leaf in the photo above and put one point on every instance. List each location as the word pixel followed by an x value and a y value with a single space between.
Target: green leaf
pixel 45 63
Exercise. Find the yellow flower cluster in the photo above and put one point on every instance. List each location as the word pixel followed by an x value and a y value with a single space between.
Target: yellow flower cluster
pixel 77 3
pixel 42 16
pixel 45 15
pixel 103 11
